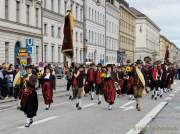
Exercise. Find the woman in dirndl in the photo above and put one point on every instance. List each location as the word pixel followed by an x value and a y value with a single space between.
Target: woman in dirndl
pixel 109 88
pixel 47 87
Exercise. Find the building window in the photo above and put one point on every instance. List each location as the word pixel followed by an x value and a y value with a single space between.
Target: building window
pixel 59 32
pixel 37 17
pixel 89 12
pixel 45 3
pixel 17 11
pixel 81 56
pixel 65 7
pixel 76 36
pixel 27 14
pixel 52 53
pixel 7 9
pixel 59 6
pixel 45 53
pixel 6 52
pixel 81 14
pixel 92 14
pixel 95 16
pixel 52 5
pixel 59 54
pixel 52 31
pixel 37 54
pixel 89 40
pixel 45 29
pixel 81 38
pixel 76 12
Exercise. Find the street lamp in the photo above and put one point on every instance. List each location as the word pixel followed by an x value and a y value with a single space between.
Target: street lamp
pixel 98 3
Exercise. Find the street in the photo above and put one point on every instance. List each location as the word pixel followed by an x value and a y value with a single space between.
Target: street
pixel 64 118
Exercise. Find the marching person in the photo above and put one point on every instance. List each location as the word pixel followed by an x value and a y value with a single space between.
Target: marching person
pixel 91 80
pixel 29 99
pixel 139 84
pixel 98 82
pixel 80 86
pixel 154 80
pixel 47 87
pixel 109 90
pixel 69 77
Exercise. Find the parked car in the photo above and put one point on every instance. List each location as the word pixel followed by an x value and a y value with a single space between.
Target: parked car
pixel 59 72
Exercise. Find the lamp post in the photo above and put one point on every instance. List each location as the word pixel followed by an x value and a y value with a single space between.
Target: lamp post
pixel 98 3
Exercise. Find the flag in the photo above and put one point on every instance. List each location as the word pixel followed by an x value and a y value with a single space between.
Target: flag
pixel 67 47
pixel 166 58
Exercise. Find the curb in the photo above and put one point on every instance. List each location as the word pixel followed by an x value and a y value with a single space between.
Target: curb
pixel 139 127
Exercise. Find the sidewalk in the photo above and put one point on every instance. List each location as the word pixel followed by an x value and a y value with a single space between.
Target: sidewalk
pixel 60 87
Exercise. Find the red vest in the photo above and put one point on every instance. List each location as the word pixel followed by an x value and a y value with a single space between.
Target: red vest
pixel 98 77
pixel 91 75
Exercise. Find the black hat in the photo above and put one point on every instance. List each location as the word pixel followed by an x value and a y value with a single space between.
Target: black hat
pixel 28 66
pixel 108 65
pixel 99 65
pixel 139 61
pixel 147 59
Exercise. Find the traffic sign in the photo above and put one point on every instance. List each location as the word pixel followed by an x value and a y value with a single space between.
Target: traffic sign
pixel 29 42
pixel 29 49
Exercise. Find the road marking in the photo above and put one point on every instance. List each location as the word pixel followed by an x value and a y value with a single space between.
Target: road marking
pixel 126 104
pixel 60 103
pixel 129 108
pixel 88 105
pixel 40 121
pixel 171 95
pixel 143 122
pixel 168 98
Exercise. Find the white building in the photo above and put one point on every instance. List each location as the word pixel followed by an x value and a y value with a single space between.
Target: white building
pixel 54 12
pixel 19 20
pixel 95 31
pixel 147 37
pixel 112 31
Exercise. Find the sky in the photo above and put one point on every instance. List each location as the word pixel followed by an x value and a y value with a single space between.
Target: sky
pixel 165 13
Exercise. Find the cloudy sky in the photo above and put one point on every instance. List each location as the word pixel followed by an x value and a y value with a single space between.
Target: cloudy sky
pixel 165 13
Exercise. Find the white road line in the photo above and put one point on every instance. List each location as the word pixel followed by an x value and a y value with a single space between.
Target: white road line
pixel 126 104
pixel 171 95
pixel 143 122
pixel 88 105
pixel 168 98
pixel 40 121
pixel 129 108
pixel 60 104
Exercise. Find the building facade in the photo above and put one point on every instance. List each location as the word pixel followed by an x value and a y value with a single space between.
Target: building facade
pixel 95 31
pixel 126 33
pixel 20 20
pixel 147 37
pixel 112 31
pixel 54 12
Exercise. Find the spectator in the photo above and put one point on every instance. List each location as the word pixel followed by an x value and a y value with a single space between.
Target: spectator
pixel 1 79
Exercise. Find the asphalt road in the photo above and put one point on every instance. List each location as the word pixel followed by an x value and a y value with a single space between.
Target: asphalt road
pixel 63 118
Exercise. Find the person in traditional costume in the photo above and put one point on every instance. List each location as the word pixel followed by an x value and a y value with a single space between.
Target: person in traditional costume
pixel 139 84
pixel 146 72
pixel 91 80
pixel 154 81
pixel 169 77
pixel 47 87
pixel 69 77
pixel 120 79
pixel 80 86
pixel 29 99
pixel 160 86
pixel 98 82
pixel 108 87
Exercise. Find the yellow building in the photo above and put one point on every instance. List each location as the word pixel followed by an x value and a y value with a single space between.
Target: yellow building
pixel 127 32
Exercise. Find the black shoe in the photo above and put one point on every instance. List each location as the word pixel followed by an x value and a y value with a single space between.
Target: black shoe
pixel 99 102
pixel 70 97
pixel 79 108
pixel 46 108
pixel 92 98
pixel 18 107
pixel 138 108
pixel 152 96
pixel 155 98
pixel 27 124
pixel 77 105
pixel 31 121
pixel 160 96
